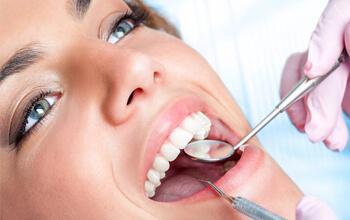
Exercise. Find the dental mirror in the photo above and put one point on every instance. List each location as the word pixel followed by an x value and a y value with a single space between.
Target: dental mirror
pixel 209 150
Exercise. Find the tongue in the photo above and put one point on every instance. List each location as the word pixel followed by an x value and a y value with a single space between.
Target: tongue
pixel 183 184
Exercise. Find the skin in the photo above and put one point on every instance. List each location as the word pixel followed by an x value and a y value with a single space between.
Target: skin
pixel 92 145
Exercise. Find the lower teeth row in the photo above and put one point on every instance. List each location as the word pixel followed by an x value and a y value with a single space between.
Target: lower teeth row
pixel 195 126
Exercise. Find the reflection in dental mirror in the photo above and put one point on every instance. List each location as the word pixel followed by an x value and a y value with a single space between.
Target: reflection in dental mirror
pixel 209 150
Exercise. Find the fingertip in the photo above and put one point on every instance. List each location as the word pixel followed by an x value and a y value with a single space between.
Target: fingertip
pixel 310 207
pixel 299 124
pixel 314 56
pixel 337 140
pixel 315 70
pixel 309 71
pixel 335 145
pixel 301 128
pixel 315 132
pixel 307 66
pixel 297 115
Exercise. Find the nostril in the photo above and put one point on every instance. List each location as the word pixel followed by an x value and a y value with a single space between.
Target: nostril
pixel 132 95
pixel 157 77
pixel 130 98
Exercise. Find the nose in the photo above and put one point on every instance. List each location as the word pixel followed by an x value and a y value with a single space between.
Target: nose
pixel 132 79
pixel 120 78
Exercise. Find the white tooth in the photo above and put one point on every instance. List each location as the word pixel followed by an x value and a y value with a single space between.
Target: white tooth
pixel 180 137
pixel 201 155
pixel 199 118
pixel 206 134
pixel 160 164
pixel 162 175
pixel 149 187
pixel 206 119
pixel 191 125
pixel 169 151
pixel 203 148
pixel 153 176
pixel 152 194
pixel 207 127
pixel 200 135
pixel 158 184
pixel 207 156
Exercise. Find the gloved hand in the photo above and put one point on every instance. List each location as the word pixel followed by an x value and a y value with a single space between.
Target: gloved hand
pixel 320 113
pixel 310 208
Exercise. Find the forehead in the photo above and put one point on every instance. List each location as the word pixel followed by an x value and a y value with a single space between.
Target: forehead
pixel 23 8
pixel 23 21
pixel 45 21
pixel 20 14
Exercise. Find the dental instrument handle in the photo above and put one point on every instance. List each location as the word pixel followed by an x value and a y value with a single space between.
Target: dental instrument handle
pixel 303 87
pixel 253 210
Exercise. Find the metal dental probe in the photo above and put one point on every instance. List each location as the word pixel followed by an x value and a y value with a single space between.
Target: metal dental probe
pixel 245 206
pixel 303 87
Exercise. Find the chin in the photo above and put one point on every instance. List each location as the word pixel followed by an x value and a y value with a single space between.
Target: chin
pixel 169 185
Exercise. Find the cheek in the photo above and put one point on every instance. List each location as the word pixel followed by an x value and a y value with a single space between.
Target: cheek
pixel 68 172
pixel 180 61
pixel 271 182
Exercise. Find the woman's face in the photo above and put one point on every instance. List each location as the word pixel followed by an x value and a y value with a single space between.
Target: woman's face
pixel 83 119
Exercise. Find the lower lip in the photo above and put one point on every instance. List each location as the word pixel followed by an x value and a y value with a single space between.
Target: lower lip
pixel 250 161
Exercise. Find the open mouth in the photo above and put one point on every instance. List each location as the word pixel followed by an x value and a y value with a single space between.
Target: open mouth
pixel 172 176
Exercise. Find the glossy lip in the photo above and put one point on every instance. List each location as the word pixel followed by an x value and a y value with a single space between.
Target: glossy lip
pixel 171 118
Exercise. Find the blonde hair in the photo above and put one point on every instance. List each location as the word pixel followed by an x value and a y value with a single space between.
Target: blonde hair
pixel 156 20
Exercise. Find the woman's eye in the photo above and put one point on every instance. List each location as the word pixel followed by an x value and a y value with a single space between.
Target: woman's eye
pixel 122 29
pixel 38 111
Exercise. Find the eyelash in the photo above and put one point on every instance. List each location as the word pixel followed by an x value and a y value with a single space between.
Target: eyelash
pixel 139 16
pixel 24 119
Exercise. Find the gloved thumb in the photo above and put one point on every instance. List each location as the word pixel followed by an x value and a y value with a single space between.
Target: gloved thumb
pixel 310 208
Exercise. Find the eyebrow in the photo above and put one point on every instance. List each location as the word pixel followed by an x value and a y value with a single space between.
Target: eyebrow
pixel 21 60
pixel 32 53
pixel 78 8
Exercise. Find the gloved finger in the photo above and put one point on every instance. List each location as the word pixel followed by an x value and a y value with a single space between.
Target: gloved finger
pixel 339 137
pixel 291 75
pixel 327 41
pixel 346 100
pixel 323 104
pixel 310 208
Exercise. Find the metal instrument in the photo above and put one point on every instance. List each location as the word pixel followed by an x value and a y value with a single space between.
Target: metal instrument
pixel 245 206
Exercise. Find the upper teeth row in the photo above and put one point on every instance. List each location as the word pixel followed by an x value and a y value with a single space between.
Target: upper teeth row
pixel 195 126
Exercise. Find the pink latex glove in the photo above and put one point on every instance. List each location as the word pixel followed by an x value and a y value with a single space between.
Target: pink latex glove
pixel 320 113
pixel 310 208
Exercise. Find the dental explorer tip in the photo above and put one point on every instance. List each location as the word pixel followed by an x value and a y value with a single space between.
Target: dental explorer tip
pixel 212 185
